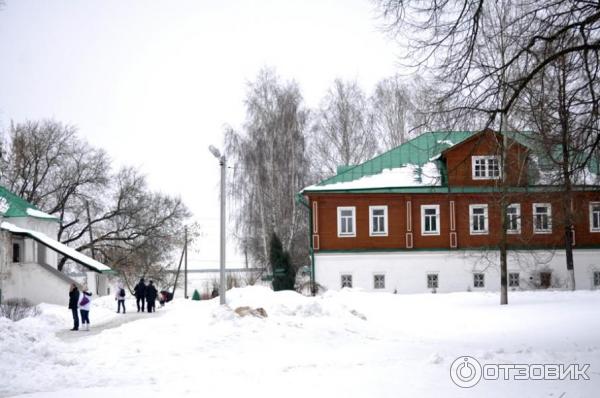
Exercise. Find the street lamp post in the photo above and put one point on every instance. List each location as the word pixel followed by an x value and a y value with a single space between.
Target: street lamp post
pixel 223 164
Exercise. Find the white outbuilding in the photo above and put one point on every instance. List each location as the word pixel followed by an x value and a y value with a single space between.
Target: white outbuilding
pixel 29 256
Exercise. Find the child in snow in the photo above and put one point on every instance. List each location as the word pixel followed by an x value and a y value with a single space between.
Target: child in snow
pixel 120 297
pixel 85 302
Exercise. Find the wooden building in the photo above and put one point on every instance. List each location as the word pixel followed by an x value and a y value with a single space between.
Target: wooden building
pixel 427 216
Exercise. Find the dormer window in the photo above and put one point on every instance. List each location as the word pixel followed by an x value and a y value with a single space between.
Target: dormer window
pixel 486 167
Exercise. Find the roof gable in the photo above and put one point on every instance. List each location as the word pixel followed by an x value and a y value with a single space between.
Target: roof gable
pixel 15 206
pixel 519 139
pixel 418 151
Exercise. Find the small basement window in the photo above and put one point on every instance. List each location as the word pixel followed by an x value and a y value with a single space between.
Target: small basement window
pixel 379 281
pixel 478 280
pixel 513 279
pixel 597 279
pixel 346 281
pixel 432 281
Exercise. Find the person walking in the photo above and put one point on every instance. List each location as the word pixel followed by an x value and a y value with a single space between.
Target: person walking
pixel 73 304
pixel 85 302
pixel 151 294
pixel 140 294
pixel 120 297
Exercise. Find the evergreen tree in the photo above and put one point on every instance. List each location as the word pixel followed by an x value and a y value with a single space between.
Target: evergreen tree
pixel 283 272
pixel 196 295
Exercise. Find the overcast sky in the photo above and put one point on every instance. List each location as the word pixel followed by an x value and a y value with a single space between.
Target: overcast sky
pixel 154 82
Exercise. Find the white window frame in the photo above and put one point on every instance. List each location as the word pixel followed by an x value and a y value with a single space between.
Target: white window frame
pixel 482 280
pixel 591 207
pixel 342 281
pixel 486 229
pixel 437 280
pixel 518 279
pixel 486 167
pixel 339 222
pixel 375 276
pixel 542 231
pixel 437 216
pixel 517 215
pixel 385 221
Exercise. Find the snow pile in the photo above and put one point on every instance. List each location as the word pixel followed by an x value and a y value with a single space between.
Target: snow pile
pixel 39 214
pixel 349 343
pixel 410 175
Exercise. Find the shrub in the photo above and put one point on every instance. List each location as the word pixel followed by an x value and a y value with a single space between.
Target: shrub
pixel 18 308
pixel 196 295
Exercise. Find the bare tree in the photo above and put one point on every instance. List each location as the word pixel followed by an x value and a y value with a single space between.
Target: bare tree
pixel 450 40
pixel 562 108
pixel 393 112
pixel 99 212
pixel 270 166
pixel 342 132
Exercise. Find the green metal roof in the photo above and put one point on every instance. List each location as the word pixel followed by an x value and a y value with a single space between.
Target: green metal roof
pixel 17 206
pixel 418 151
pixel 425 148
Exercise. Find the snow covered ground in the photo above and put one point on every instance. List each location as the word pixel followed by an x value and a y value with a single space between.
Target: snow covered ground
pixel 347 343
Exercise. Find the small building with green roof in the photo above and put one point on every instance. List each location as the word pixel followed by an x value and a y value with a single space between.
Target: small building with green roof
pixel 29 254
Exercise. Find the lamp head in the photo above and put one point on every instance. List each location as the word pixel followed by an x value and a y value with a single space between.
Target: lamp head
pixel 214 151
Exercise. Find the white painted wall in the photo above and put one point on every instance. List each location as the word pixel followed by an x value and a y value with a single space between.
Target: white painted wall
pixel 406 272
pixel 30 251
pixel 36 284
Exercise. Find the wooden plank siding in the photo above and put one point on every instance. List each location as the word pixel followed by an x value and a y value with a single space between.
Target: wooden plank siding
pixel 459 160
pixel 401 207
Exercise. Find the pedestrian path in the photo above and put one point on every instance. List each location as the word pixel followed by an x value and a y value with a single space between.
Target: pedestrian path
pixel 70 335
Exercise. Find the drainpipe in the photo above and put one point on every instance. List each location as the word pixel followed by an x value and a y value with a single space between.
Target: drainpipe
pixel 300 199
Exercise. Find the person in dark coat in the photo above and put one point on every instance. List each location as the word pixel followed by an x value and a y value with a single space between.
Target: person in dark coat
pixel 73 305
pixel 151 294
pixel 140 294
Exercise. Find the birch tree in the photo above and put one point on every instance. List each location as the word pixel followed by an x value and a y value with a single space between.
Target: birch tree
pixel 269 167
pixel 343 129
pixel 394 112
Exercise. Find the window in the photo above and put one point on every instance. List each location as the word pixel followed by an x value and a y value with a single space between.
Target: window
pixel 485 167
pixel 542 218
pixel 432 281
pixel 430 220
pixel 478 280
pixel 513 279
pixel 596 278
pixel 16 252
pixel 346 281
pixel 346 221
pixel 513 219
pixel 378 224
pixel 545 279
pixel 595 217
pixel 379 281
pixel 479 219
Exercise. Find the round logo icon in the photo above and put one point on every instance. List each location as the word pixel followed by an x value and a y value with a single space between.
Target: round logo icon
pixel 465 372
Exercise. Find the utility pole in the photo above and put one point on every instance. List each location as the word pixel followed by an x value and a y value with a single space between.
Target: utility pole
pixel 185 279
pixel 89 219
